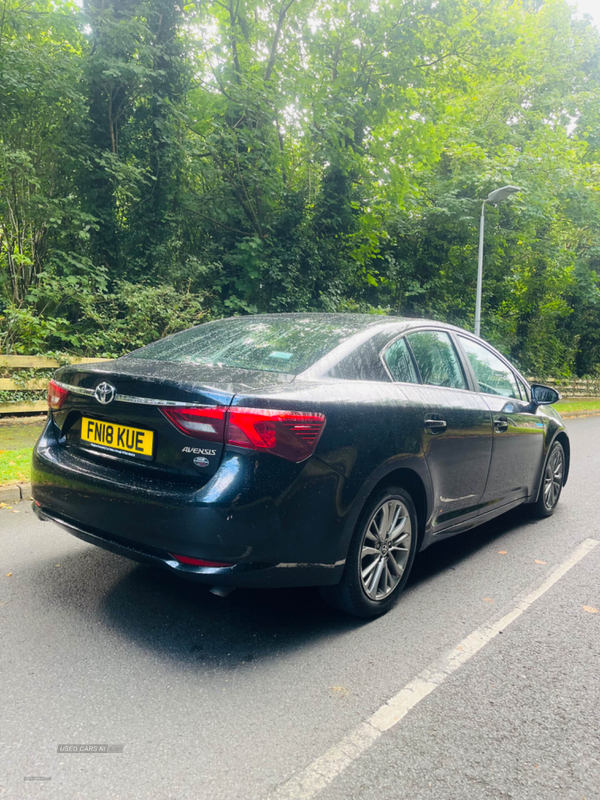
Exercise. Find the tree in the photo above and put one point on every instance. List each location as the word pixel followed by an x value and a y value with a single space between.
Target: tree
pixel 300 155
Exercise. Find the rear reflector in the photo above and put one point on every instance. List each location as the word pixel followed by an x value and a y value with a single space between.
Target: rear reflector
pixel 56 396
pixel 199 562
pixel 201 423
pixel 290 434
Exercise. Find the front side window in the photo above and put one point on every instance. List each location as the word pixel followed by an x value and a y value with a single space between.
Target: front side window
pixel 492 374
pixel 436 359
pixel 399 362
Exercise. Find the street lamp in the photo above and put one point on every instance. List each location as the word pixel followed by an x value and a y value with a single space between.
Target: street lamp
pixel 493 197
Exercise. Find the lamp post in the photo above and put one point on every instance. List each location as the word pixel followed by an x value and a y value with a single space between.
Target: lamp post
pixel 493 197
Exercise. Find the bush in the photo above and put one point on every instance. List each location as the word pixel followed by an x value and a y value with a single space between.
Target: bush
pixel 86 322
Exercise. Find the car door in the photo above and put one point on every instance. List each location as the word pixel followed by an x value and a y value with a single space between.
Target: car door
pixel 518 438
pixel 454 423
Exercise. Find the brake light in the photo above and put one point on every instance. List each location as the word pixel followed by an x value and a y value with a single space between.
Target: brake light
pixel 290 434
pixel 56 396
pixel 201 423
pixel 199 562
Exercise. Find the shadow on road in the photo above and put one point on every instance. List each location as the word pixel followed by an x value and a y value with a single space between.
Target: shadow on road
pixel 447 554
pixel 177 619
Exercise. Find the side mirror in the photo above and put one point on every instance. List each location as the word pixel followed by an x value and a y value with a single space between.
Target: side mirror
pixel 543 395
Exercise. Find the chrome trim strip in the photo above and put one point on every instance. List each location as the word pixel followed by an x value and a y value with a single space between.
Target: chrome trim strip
pixel 75 389
pixel 148 401
pixel 127 398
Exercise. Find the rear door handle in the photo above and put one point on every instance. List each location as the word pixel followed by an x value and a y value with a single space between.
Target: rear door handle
pixel 435 425
pixel 501 424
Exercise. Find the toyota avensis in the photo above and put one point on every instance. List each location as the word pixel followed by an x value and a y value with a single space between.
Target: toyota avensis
pixel 297 450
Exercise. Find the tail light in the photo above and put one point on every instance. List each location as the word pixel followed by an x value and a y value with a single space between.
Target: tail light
pixel 56 396
pixel 201 423
pixel 289 434
pixel 293 435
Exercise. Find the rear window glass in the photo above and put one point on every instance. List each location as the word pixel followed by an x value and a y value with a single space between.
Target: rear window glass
pixel 271 345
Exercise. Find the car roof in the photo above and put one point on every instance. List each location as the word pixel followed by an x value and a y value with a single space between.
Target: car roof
pixel 369 326
pixel 361 321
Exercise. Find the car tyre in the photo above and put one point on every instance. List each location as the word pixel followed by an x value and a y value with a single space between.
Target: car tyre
pixel 380 556
pixel 552 483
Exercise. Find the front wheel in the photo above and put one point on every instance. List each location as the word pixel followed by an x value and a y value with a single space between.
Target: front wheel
pixel 380 556
pixel 552 482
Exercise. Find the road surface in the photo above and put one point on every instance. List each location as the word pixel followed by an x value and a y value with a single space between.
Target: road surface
pixel 271 694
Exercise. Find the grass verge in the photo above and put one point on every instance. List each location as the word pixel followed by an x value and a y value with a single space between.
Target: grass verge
pixel 15 466
pixel 583 404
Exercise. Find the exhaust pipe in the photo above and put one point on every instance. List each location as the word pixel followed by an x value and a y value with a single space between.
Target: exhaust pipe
pixel 222 591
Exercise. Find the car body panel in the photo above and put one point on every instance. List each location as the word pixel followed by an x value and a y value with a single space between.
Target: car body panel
pixel 457 456
pixel 517 451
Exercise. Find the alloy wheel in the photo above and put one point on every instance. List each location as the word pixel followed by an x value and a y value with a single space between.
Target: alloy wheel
pixel 385 549
pixel 553 478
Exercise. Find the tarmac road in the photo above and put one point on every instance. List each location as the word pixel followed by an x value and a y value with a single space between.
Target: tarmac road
pixel 242 697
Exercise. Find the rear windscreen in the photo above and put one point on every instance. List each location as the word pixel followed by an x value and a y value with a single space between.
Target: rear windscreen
pixel 273 345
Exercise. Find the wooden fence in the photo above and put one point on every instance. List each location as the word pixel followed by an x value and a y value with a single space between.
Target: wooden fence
pixel 573 388
pixel 35 384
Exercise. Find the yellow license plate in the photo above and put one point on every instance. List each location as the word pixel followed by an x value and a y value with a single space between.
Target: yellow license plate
pixel 117 437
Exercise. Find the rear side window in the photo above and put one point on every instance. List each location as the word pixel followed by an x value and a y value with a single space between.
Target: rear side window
pixel 436 359
pixel 272 345
pixel 492 374
pixel 362 364
pixel 399 362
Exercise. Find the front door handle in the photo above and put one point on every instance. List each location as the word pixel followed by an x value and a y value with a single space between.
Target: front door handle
pixel 501 424
pixel 435 425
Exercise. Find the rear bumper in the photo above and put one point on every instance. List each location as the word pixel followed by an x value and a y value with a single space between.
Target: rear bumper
pixel 281 529
pixel 249 574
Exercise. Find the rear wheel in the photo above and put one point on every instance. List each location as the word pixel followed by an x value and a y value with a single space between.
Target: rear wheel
pixel 552 482
pixel 380 556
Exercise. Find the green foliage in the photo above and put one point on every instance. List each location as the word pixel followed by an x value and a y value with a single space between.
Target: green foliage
pixel 88 321
pixel 161 165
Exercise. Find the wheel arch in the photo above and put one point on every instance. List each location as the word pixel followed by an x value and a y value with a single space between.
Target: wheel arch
pixel 562 437
pixel 411 479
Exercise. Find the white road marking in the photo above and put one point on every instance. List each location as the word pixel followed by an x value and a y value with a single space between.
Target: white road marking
pixel 323 770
